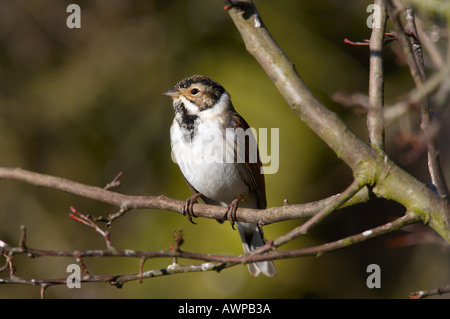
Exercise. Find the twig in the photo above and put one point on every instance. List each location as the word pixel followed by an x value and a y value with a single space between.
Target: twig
pixel 414 97
pixel 375 122
pixel 178 236
pixel 358 102
pixel 115 182
pixel 364 43
pixel 305 227
pixel 118 280
pixel 212 262
pixel 428 293
pixel 416 46
pixel 23 237
pixel 43 287
pixel 141 268
pixel 389 37
pixel 88 222
pixel 413 54
pixel 394 14
pixel 82 265
pixel 407 219
pixel 431 48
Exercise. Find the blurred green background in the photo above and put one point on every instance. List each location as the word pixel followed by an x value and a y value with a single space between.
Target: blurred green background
pixel 86 104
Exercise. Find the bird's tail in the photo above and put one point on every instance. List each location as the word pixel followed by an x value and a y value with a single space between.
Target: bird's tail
pixel 252 237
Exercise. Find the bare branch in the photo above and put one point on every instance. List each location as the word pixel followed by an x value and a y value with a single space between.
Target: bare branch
pixel 129 202
pixel 212 262
pixel 375 123
pixel 414 97
pixel 413 53
pixel 88 222
pixel 305 227
pixel 416 46
pixel 115 182
pixel 326 124
pixel 434 53
pixel 357 43
pixel 428 293
pixel 368 164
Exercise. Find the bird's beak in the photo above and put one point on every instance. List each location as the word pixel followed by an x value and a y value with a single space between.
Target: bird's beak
pixel 173 93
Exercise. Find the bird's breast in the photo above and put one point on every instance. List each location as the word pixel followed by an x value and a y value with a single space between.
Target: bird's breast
pixel 207 162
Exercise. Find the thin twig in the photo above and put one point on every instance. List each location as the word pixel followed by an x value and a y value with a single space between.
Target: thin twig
pixel 23 237
pixel 413 53
pixel 141 269
pixel 305 227
pixel 115 182
pixel 88 222
pixel 375 122
pixel 430 47
pixel 416 46
pixel 407 219
pixel 82 265
pixel 313 221
pixel 212 262
pixel 357 43
pixel 428 293
pixel 414 97
pixel 43 287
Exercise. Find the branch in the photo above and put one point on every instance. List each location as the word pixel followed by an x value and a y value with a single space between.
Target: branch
pixel 283 74
pixel 436 173
pixel 212 262
pixel 306 226
pixel 129 202
pixel 428 293
pixel 431 48
pixel 400 222
pixel 368 164
pixel 414 97
pixel 413 53
pixel 375 123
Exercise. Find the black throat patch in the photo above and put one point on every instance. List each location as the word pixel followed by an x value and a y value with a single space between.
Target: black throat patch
pixel 186 120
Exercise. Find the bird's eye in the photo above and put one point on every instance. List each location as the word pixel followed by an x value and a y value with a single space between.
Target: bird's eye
pixel 195 91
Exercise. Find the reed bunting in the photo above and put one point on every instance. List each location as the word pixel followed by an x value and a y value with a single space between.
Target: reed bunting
pixel 218 156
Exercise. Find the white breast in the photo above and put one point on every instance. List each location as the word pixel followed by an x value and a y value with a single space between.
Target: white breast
pixel 203 162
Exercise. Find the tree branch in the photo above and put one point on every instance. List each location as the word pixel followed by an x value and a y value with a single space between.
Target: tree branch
pixel 326 124
pixel 428 293
pixel 375 123
pixel 369 165
pixel 413 53
pixel 306 226
pixel 212 262
pixel 129 202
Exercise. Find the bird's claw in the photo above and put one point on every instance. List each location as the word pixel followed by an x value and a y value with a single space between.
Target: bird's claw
pixel 231 211
pixel 188 207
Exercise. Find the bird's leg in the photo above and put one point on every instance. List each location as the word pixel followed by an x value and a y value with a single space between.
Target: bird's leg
pixel 231 211
pixel 188 207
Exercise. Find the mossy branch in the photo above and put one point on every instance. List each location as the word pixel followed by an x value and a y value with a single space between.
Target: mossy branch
pixel 370 164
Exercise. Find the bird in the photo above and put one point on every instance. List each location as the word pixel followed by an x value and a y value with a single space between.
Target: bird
pixel 217 154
